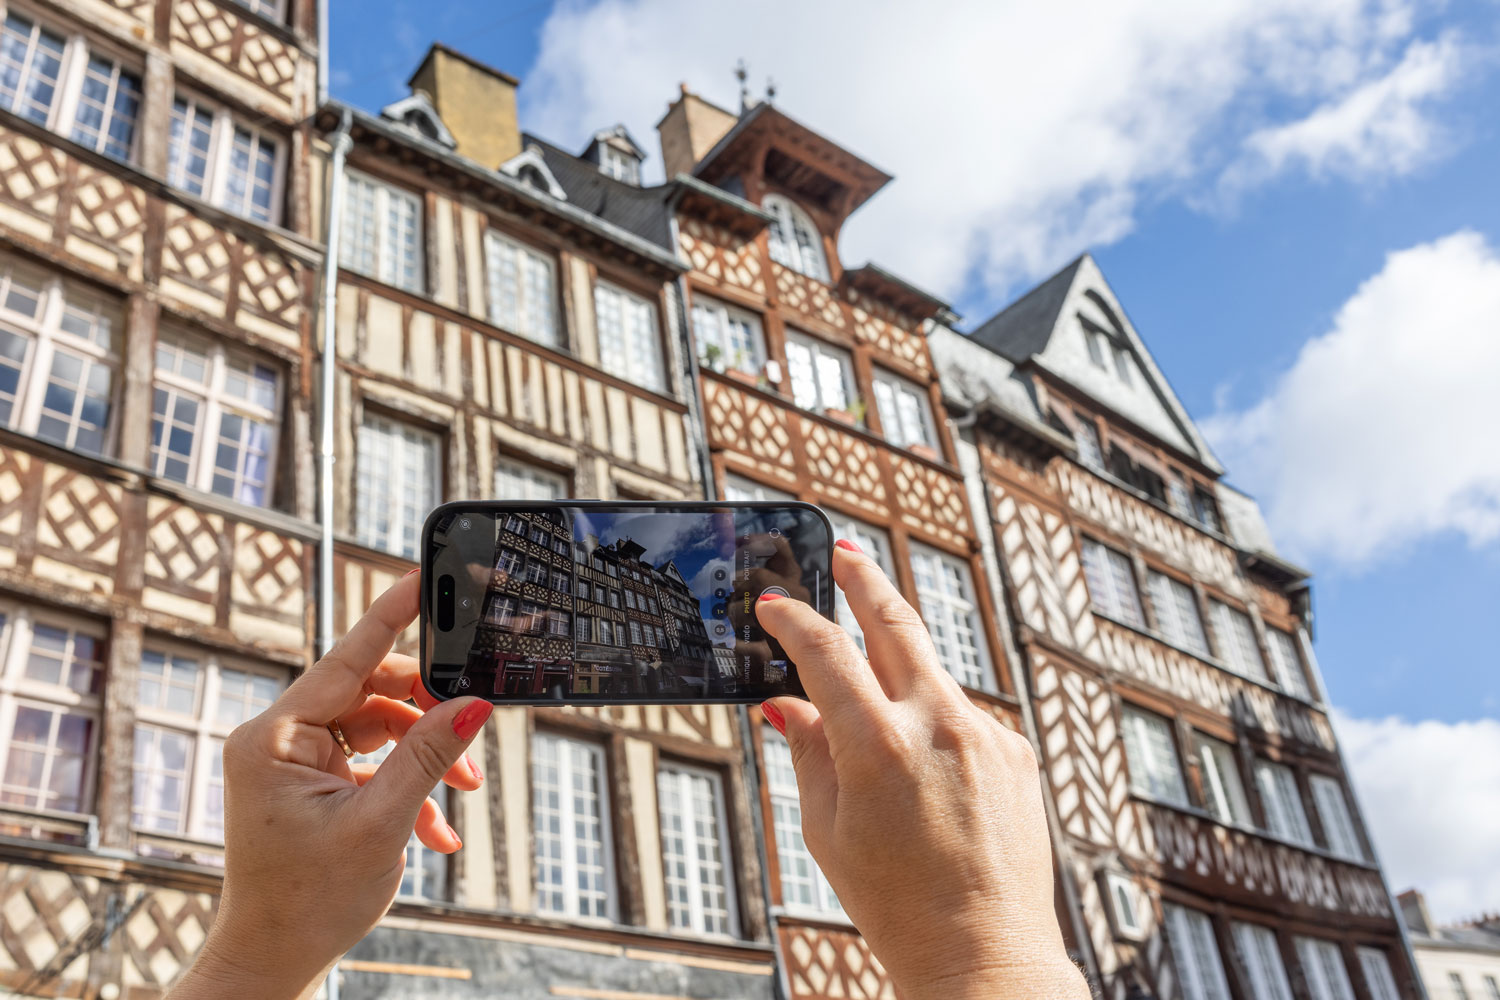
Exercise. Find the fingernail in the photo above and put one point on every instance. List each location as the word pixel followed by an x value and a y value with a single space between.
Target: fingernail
pixel 774 717
pixel 771 597
pixel 469 721
pixel 478 774
pixel 849 546
pixel 410 572
pixel 454 834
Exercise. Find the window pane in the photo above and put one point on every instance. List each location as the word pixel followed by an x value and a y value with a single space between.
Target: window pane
pixel 1222 788
pixel 518 481
pixel 426 872
pixel 168 682
pixel 162 771
pixel 1261 957
pixel 1282 801
pixel 188 146
pixel 694 856
pixel 875 544
pixel 1382 984
pixel 48 758
pixel 1111 582
pixel 65 657
pixel 802 883
pixel 629 342
pixel 30 62
pixel 1333 810
pixel 570 828
pixel 251 175
pixel 1195 953
pixel 108 105
pixel 1152 756
pixel 1323 969
pixel 946 593
pixel 396 483
pixel 1288 662
pixel 1177 611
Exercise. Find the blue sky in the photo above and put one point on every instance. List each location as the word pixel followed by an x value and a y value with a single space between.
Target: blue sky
pixel 1243 176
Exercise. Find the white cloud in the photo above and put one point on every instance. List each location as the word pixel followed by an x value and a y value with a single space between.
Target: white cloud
pixel 1380 127
pixel 1018 133
pixel 1382 432
pixel 1431 794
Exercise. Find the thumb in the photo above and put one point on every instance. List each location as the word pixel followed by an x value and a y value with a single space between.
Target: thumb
pixel 397 789
pixel 817 780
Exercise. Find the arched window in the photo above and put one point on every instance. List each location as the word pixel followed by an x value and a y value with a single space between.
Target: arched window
pixel 795 240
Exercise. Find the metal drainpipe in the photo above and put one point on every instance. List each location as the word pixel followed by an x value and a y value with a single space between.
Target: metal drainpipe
pixel 326 407
pixel 1028 716
pixel 752 768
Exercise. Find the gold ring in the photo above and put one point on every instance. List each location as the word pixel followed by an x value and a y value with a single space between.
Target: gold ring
pixel 338 737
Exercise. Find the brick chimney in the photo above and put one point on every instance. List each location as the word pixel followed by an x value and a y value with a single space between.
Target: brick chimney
pixel 1414 913
pixel 690 129
pixel 476 102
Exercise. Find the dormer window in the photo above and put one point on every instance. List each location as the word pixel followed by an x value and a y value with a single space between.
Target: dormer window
pixel 620 165
pixel 795 240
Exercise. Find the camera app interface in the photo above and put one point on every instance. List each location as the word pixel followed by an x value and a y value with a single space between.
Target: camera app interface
pixel 604 603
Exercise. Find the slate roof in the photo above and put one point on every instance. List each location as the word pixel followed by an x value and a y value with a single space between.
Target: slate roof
pixel 639 210
pixel 1023 328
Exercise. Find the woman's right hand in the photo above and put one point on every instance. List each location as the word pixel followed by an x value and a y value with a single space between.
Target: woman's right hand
pixel 923 811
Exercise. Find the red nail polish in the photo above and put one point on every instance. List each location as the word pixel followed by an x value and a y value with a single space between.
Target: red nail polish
pixel 478 774
pixel 770 597
pixel 469 721
pixel 454 834
pixel 774 717
pixel 849 546
pixel 410 572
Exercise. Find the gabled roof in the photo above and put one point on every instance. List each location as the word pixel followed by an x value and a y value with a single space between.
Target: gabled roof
pixel 640 210
pixel 1039 330
pixel 617 132
pixel 420 105
pixel 532 157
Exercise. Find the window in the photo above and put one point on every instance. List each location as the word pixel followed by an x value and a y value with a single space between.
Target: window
pixel 1288 662
pixel 629 600
pixel 522 284
pixel 607 632
pixel 738 489
pixel 905 411
pixel 62 84
pixel 1382 985
pixel 946 592
pixel 1205 510
pixel 1195 953
pixel 426 873
pixel 223 161
pixel 822 377
pixel 1323 968
pixel 57 361
pixel 1237 645
pixel 50 683
pixel 1223 792
pixel 1177 612
pixel 1152 756
pixel 1125 901
pixel 1333 810
pixel 583 628
pixel 803 886
pixel 1282 802
pixel 695 851
pixel 214 417
pixel 380 234
pixel 877 545
pixel 1111 580
pixel 1177 495
pixel 1491 984
pixel 396 483
pixel 1261 958
pixel 727 337
pixel 635 632
pixel 536 572
pixel 1456 986
pixel 795 240
pixel 629 341
pixel 619 164
pixel 271 9
pixel 570 826
pixel 500 611
pixel 1097 343
pixel 562 583
pixel 185 707
pixel 1086 436
pixel 1122 363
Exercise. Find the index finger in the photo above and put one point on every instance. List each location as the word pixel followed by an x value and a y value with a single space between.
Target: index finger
pixel 337 680
pixel 834 673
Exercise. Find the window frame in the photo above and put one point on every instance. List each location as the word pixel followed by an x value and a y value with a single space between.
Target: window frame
pixel 786 803
pixel 1288 662
pixel 794 239
pixel 655 379
pixel 894 424
pixel 1143 763
pixel 386 265
pixel 722 314
pixel 1285 813
pixel 1329 791
pixel 1223 786
pixel 1375 965
pixel 684 773
pixel 73 65
pixel 1103 580
pixel 1191 939
pixel 874 542
pixel 421 860
pixel 278 9
pixel 218 167
pixel 531 475
pixel 363 531
pixel 214 403
pixel 45 338
pixel 1264 967
pixel 202 728
pixel 819 350
pixel 525 255
pixel 17 633
pixel 1236 644
pixel 928 601
pixel 1319 958
pixel 567 796
pixel 1178 617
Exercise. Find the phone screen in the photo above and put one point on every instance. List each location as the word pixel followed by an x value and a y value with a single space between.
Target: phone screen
pixel 587 602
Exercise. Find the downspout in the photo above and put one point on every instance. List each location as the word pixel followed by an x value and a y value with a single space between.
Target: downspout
pixel 752 767
pixel 329 356
pixel 1019 679
pixel 341 144
pixel 323 48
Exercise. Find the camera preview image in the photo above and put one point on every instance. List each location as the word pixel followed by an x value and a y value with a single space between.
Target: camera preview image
pixel 610 604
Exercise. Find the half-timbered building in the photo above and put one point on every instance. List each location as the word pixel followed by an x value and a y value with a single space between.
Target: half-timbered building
pixel 156 272
pixel 508 324
pixel 817 385
pixel 1210 841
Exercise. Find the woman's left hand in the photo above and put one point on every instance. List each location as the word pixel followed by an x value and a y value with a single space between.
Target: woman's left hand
pixel 314 849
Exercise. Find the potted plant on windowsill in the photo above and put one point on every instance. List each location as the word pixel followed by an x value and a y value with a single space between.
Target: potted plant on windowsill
pixel 854 416
pixel 713 357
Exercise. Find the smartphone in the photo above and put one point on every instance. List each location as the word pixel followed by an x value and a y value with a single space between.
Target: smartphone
pixel 596 602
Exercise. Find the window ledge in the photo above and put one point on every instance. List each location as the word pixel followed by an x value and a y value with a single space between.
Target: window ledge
pixel 1208 661
pixel 822 918
pixel 1208 817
